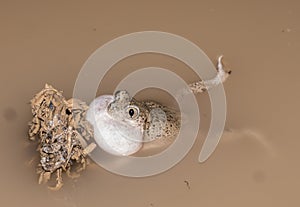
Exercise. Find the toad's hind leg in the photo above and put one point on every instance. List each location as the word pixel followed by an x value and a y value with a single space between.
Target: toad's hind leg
pixel 204 85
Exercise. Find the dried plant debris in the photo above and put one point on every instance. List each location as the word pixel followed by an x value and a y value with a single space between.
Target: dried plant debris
pixel 187 184
pixel 62 132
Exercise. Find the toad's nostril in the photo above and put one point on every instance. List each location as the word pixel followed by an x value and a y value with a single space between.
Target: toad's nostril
pixel 229 72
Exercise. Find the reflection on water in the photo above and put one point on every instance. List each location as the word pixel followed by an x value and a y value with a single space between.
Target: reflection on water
pixel 261 141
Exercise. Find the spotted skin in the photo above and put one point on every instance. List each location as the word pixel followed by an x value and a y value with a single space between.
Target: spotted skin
pixel 204 85
pixel 155 120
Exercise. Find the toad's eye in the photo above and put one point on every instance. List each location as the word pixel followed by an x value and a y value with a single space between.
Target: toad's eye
pixel 132 112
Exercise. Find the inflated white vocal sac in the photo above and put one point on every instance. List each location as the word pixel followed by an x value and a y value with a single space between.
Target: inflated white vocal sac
pixel 113 135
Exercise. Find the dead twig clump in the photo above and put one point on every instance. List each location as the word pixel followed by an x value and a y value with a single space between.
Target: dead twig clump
pixel 62 132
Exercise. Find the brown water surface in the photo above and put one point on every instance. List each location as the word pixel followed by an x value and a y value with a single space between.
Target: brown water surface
pixel 257 161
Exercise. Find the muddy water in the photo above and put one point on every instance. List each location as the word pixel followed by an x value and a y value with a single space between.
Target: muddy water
pixel 257 161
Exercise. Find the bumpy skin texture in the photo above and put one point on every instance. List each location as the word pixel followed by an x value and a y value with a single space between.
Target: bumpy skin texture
pixel 62 132
pixel 154 120
pixel 204 85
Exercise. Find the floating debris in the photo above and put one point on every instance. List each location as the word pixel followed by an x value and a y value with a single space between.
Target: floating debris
pixel 62 132
pixel 187 184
